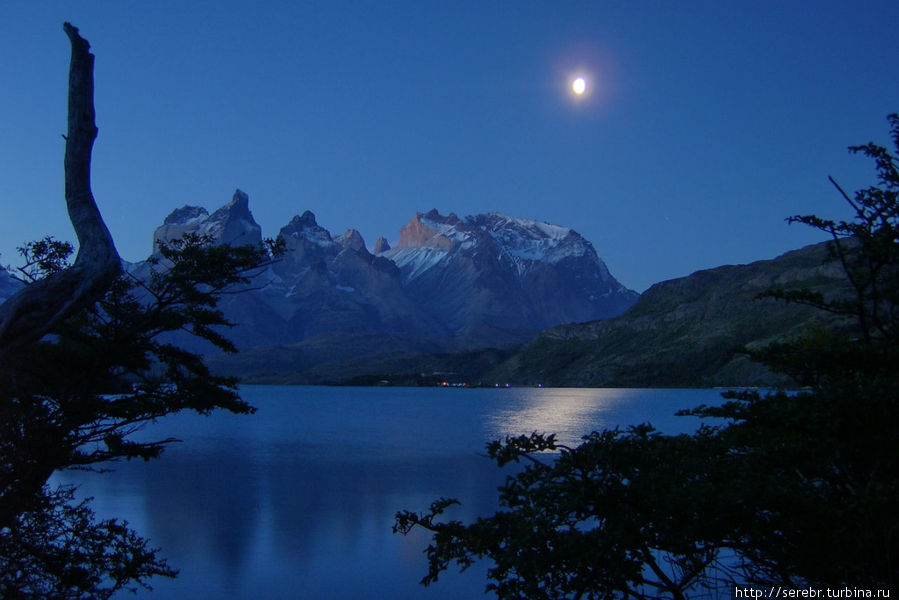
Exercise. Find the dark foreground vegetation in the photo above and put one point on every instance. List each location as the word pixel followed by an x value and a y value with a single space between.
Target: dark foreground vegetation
pixel 85 361
pixel 794 491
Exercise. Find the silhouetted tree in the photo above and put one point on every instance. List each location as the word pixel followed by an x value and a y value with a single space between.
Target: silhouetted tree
pixel 824 460
pixel 792 489
pixel 86 359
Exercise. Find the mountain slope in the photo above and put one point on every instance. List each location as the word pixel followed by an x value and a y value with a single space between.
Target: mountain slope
pixel 683 332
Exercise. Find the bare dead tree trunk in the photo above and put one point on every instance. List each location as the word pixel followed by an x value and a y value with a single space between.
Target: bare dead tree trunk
pixel 33 312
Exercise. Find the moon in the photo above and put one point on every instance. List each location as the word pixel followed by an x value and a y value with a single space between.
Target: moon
pixel 579 86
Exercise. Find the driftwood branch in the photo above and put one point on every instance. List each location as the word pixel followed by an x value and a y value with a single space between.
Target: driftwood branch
pixel 37 308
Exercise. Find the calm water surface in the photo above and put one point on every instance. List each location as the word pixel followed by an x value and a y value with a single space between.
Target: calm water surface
pixel 298 500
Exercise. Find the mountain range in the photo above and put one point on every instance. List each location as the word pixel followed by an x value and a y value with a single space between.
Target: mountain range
pixel 684 332
pixel 490 299
pixel 448 284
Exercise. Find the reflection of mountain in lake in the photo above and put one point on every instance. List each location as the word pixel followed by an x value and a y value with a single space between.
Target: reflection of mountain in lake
pixel 239 529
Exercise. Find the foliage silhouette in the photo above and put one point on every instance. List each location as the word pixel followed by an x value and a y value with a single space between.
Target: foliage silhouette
pixel 788 489
pixel 88 358
pixel 75 400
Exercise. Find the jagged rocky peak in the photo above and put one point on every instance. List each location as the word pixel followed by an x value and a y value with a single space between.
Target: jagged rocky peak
pixel 381 245
pixel 430 229
pixel 304 227
pixel 304 221
pixel 231 224
pixel 352 240
pixel 238 227
pixel 238 207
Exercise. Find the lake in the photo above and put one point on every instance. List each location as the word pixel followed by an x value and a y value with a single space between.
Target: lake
pixel 298 500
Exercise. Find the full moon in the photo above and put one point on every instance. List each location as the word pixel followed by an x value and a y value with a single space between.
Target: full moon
pixel 579 86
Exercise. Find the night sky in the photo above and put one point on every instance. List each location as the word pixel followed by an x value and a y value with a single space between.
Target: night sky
pixel 703 126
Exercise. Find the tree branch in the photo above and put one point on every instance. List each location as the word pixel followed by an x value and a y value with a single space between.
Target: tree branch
pixel 36 309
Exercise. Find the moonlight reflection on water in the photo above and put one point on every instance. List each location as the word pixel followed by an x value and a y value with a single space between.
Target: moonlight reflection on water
pixel 570 413
pixel 299 499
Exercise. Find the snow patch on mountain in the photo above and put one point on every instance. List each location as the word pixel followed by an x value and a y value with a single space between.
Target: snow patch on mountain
pixel 515 237
pixel 532 240
pixel 431 239
pixel 413 262
pixel 304 227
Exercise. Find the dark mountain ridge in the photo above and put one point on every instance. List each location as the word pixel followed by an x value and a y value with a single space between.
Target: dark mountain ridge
pixel 685 332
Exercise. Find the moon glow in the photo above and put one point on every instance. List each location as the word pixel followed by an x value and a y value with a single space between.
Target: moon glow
pixel 579 86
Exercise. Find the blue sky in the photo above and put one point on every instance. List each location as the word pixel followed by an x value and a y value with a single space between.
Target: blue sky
pixel 705 124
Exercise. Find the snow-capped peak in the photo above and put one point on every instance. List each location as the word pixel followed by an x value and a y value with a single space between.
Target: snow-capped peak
pixel 532 240
pixel 522 238
pixel 431 239
pixel 231 224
